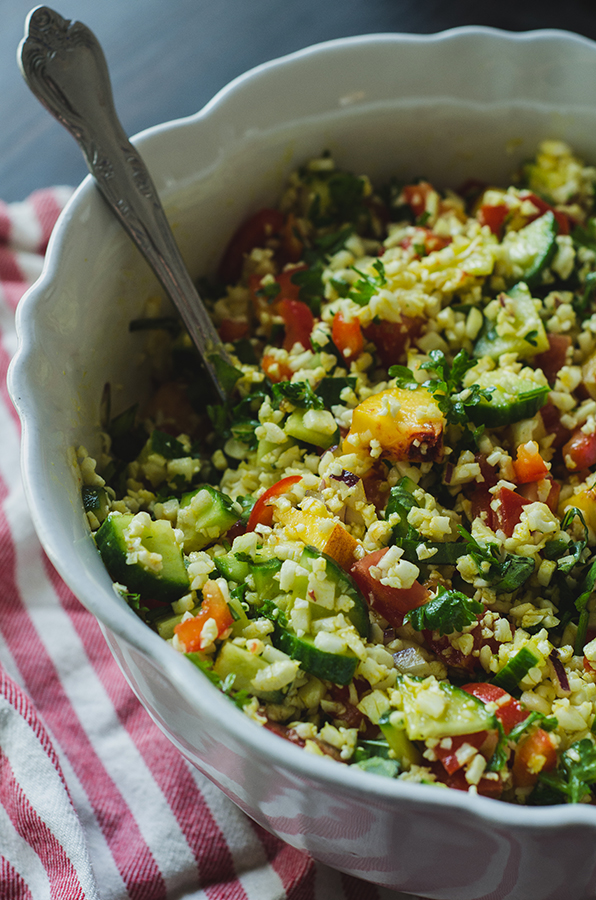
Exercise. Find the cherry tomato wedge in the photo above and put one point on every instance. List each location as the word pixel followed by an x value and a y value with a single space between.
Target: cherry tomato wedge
pixel 392 603
pixel 261 513
pixel 528 464
pixel 274 370
pixel 493 216
pixel 542 206
pixel 347 336
pixel 233 329
pixel 392 338
pixel 298 320
pixel 486 787
pixel 448 755
pixel 580 450
pixel 534 754
pixel 555 357
pixel 509 711
pixel 416 196
pixel 214 607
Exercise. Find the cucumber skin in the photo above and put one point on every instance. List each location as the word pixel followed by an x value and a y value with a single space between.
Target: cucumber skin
pixel 149 585
pixel 358 614
pixel 495 416
pixel 335 667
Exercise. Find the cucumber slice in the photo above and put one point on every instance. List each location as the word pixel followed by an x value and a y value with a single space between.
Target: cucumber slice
pixel 514 397
pixel 404 750
pixel 517 668
pixel 266 448
pixel 166 624
pixel 165 584
pixel 517 329
pixel 388 768
pixel 299 426
pixel 204 515
pixel 336 667
pixel 344 585
pixel 232 568
pixel 527 252
pixel 266 584
pixel 96 500
pixel 457 712
pixel 236 661
pixel 370 749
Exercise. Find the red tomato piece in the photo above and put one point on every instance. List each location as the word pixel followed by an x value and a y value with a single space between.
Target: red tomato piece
pixel 274 370
pixel 486 787
pixel 347 336
pixel 392 603
pixel 553 359
pixel 434 241
pixel 543 206
pixel 528 464
pixel 287 289
pixel 509 711
pixel 254 232
pixel 532 492
pixel 535 753
pixel 233 330
pixel 448 756
pixel 509 509
pixel 580 450
pixel 416 196
pixel 261 513
pixel 551 418
pixel 391 339
pixel 299 322
pixel 214 607
pixel 493 216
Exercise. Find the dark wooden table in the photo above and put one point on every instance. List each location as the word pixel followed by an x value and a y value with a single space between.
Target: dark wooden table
pixel 168 57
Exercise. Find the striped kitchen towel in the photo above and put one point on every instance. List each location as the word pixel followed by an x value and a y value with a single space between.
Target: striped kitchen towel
pixel 95 803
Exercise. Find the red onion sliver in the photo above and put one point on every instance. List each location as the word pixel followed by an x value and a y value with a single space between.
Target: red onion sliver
pixel 559 671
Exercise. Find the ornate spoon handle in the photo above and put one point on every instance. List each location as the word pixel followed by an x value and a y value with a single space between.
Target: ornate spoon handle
pixel 64 65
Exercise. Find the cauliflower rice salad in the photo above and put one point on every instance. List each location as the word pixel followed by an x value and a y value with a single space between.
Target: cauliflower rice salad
pixel 382 547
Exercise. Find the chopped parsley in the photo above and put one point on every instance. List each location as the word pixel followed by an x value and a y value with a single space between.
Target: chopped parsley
pixel 448 612
pixel 446 386
pixel 571 781
pixel 368 285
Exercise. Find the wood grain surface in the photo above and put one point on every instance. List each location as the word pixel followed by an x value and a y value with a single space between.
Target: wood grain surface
pixel 168 57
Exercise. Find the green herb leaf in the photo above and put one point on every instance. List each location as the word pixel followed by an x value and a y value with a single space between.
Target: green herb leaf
pixel 404 377
pixel 575 773
pixel 166 445
pixel 368 285
pixel 504 575
pixel 450 611
pixel 547 723
pixel 329 389
pixel 298 393
pixel 446 387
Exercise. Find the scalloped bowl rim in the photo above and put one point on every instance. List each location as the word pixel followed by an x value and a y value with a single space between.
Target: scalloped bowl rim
pixel 258 740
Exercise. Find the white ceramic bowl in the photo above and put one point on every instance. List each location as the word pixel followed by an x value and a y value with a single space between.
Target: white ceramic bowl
pixel 471 102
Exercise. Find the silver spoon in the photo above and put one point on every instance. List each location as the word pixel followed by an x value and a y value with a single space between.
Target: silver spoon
pixel 64 65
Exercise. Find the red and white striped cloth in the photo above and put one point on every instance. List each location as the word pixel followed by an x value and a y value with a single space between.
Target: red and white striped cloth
pixel 95 803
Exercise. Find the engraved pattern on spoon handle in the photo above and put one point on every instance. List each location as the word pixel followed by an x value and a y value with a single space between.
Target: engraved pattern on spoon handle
pixel 65 68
